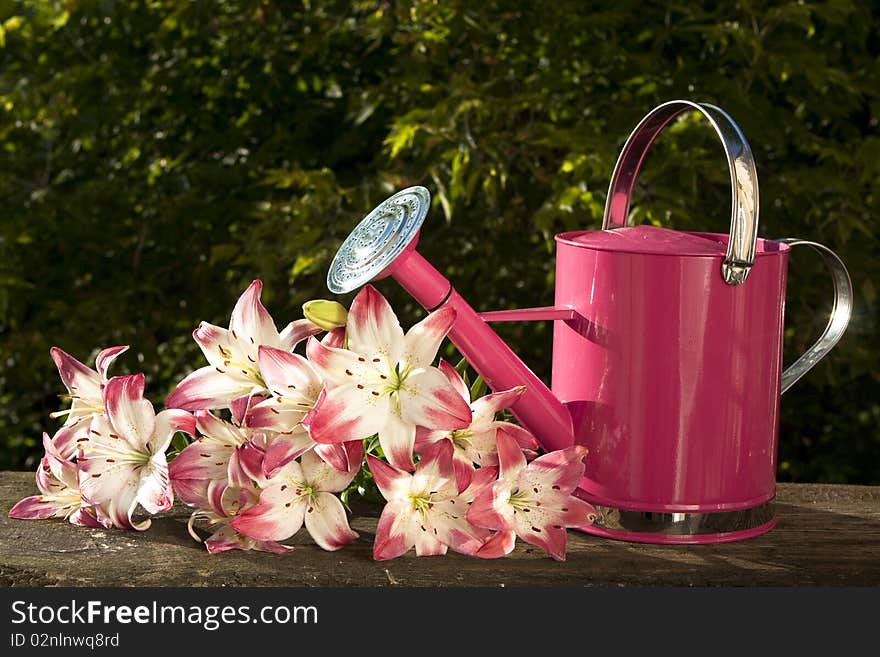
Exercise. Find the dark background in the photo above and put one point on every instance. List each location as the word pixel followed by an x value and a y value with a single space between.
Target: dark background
pixel 155 157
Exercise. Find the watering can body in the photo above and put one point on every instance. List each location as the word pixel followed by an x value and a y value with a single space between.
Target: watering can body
pixel 667 351
pixel 674 388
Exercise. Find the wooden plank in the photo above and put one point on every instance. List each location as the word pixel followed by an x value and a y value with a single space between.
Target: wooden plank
pixel 827 535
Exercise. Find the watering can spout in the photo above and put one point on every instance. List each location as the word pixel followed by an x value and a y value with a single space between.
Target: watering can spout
pixel 382 245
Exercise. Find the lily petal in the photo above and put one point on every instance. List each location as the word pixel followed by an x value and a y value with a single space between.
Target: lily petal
pixel 86 518
pixel 283 449
pixel 212 427
pixel 486 407
pixel 106 357
pixel 62 469
pixel 393 529
pixel 423 340
pixel 527 442
pixel 226 538
pixel 429 400
pixel 204 460
pixel 510 457
pixel 323 477
pixel 169 422
pixel 428 545
pixel 348 413
pixel 576 513
pixel 464 469
pixel 39 507
pixel 397 439
pixel 342 366
pixel 326 521
pixel 373 329
pixel 392 482
pixel 342 456
pixel 455 379
pixel 248 460
pixel 217 344
pixel 452 528
pixel 551 539
pixel 112 486
pixel 562 468
pixel 154 489
pixel 296 332
pixel 270 415
pixel 334 338
pixel 241 406
pixel 130 414
pixel 192 492
pixel 80 381
pixel 435 470
pixel 288 374
pixel 483 478
pixel 66 438
pixel 278 515
pixel 251 322
pixel 491 509
pixel 207 388
pixel 500 544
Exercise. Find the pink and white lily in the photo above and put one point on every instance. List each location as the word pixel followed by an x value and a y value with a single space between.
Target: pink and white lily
pixel 210 459
pixel 384 382
pixel 84 386
pixel 59 493
pixel 123 464
pixel 226 503
pixel 301 493
pixel 295 387
pixel 424 508
pixel 232 353
pixel 475 443
pixel 532 500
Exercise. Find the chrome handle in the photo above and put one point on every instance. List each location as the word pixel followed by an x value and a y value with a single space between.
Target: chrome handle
pixel 743 180
pixel 840 313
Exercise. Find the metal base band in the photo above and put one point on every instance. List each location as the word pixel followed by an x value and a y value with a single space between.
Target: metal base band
pixel 711 527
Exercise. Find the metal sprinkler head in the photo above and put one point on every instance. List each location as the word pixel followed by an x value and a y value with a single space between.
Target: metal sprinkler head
pixel 378 239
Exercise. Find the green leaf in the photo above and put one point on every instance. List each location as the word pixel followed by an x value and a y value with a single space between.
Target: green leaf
pixel 478 389
pixel 60 20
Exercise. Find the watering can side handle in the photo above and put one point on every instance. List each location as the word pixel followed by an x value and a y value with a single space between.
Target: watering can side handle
pixel 743 180
pixel 544 313
pixel 837 322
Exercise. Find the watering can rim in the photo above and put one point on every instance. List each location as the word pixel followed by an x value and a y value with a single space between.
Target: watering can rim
pixel 778 248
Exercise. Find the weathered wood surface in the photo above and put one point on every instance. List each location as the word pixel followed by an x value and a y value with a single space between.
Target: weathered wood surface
pixel 827 535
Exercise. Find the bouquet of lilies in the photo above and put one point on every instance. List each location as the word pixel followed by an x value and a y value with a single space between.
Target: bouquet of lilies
pixel 275 438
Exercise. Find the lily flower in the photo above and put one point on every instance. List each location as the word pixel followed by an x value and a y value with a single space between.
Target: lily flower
pixel 210 459
pixel 424 508
pixel 123 464
pixel 59 493
pixel 301 493
pixel 533 500
pixel 384 382
pixel 295 387
pixel 227 502
pixel 475 443
pixel 84 387
pixel 232 353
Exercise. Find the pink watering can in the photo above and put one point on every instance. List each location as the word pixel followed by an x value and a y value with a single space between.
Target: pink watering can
pixel 667 349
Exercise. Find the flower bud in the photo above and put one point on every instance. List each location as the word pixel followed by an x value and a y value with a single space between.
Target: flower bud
pixel 326 314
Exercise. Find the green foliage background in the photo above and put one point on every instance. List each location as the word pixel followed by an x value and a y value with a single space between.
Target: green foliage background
pixel 157 156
